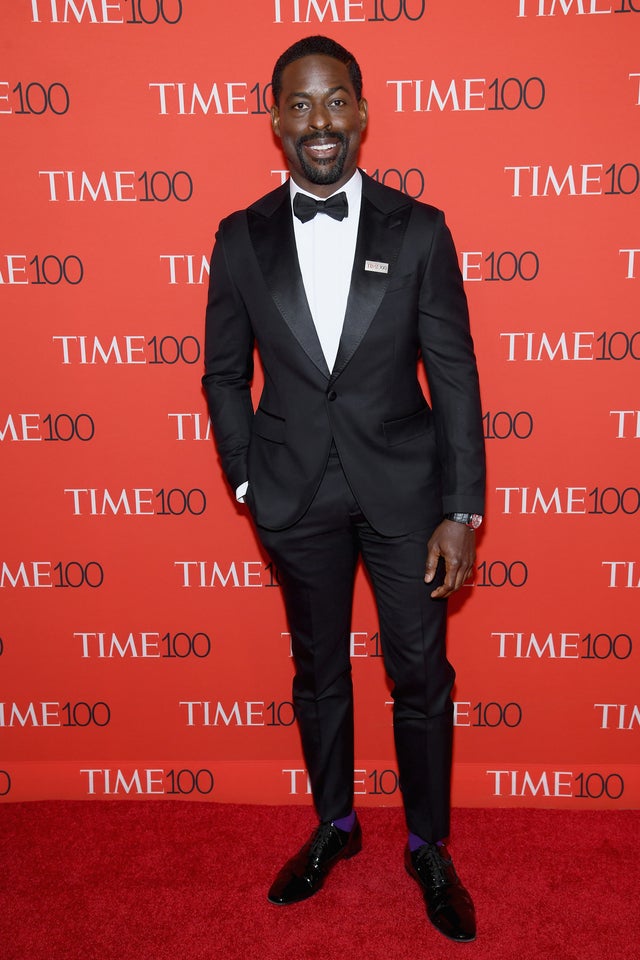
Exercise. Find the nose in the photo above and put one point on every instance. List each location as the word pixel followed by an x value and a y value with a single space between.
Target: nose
pixel 319 118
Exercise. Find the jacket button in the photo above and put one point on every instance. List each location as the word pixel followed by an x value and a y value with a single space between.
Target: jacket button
pixel 332 395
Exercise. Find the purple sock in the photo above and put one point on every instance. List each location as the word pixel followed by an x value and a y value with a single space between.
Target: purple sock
pixel 346 823
pixel 415 841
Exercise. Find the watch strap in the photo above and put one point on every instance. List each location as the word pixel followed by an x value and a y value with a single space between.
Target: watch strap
pixel 472 520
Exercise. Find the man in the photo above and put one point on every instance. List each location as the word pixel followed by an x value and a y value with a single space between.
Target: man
pixel 342 284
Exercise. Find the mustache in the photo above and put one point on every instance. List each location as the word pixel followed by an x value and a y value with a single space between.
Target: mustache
pixel 334 134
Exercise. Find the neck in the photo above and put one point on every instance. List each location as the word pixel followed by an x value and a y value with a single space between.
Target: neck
pixel 321 190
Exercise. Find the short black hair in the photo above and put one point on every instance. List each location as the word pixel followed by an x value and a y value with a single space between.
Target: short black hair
pixel 313 46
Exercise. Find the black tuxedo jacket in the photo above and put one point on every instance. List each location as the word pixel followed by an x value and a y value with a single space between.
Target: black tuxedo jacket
pixel 406 461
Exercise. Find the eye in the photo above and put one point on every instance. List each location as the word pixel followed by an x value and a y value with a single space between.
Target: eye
pixel 301 105
pixel 338 102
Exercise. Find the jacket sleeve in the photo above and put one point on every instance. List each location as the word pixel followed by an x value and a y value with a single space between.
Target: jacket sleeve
pixel 450 364
pixel 228 358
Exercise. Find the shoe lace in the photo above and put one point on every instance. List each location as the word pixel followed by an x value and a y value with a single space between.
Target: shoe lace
pixel 429 859
pixel 321 838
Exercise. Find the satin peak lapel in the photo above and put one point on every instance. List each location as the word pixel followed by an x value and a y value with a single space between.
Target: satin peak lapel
pixel 275 248
pixel 380 236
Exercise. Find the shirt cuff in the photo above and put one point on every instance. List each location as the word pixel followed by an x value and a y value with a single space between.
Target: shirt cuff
pixel 241 491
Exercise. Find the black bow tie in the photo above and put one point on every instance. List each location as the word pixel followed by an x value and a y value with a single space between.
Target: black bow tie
pixel 305 207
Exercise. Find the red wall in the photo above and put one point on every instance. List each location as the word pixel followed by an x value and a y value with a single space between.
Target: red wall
pixel 142 630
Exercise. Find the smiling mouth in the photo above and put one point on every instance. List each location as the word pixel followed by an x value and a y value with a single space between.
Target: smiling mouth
pixel 322 148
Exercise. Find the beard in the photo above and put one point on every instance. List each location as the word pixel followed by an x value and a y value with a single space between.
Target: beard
pixel 324 171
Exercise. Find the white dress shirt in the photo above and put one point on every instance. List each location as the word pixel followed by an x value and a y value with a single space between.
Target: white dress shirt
pixel 326 248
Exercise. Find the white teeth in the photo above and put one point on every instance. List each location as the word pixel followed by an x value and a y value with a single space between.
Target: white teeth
pixel 321 146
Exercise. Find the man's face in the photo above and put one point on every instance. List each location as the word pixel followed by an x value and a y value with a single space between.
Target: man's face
pixel 319 121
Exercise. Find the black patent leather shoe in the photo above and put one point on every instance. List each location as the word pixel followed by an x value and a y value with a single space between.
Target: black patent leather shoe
pixel 449 906
pixel 304 874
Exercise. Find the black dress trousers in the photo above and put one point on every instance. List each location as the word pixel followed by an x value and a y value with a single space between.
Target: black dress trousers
pixel 316 560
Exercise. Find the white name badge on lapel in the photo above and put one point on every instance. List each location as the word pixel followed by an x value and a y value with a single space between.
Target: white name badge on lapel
pixel 374 266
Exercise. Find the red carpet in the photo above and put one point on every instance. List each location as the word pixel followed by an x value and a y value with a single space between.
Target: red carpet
pixel 185 881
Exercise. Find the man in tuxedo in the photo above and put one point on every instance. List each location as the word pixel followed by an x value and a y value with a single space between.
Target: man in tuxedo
pixel 343 285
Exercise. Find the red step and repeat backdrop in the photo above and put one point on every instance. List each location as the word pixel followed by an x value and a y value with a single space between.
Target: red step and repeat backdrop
pixel 144 650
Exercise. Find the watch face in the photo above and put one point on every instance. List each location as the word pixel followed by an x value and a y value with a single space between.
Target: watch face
pixel 475 520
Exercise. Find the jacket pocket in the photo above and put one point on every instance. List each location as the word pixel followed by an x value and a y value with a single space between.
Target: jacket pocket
pixel 407 428
pixel 268 426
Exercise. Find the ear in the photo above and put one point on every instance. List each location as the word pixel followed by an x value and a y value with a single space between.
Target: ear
pixel 275 120
pixel 363 109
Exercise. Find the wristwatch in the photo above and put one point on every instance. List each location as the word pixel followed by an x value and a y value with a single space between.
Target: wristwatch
pixel 472 520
